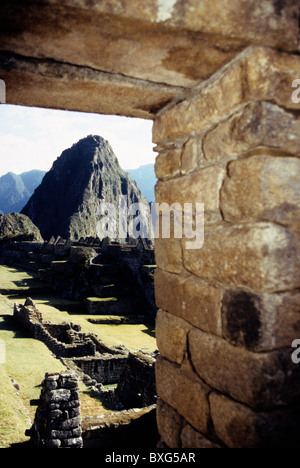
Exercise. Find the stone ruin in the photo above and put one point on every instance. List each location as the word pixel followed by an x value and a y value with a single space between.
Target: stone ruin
pixel 57 422
pixel 63 340
pixel 220 82
pixel 97 365
pixel 91 269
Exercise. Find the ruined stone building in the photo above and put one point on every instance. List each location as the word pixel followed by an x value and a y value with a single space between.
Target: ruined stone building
pixel 219 81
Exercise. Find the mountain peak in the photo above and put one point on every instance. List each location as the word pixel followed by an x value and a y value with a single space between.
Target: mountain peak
pixel 67 201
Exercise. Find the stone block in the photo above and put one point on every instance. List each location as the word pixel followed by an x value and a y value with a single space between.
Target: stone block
pixel 169 424
pixel 187 395
pixel 263 187
pixel 193 439
pixel 60 394
pixel 192 155
pixel 270 75
pixel 73 443
pixel 260 380
pixel 257 124
pixel 201 187
pixel 216 98
pixel 261 322
pixel 167 164
pixel 171 336
pixel 261 256
pixel 168 255
pixel 258 73
pixel 191 299
pixel 238 426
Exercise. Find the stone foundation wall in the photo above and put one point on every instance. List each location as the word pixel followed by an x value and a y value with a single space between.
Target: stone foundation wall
pixel 229 311
pixel 31 319
pixel 136 387
pixel 105 369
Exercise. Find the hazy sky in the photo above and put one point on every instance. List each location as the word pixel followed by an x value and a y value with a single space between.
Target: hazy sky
pixel 33 138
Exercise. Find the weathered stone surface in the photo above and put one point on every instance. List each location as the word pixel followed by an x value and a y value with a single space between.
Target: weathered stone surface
pixel 192 155
pixel 181 59
pixel 60 394
pixel 169 424
pixel 257 73
pixel 261 256
pixel 260 380
pixel 171 336
pixel 191 299
pixel 275 24
pixel 261 321
pixel 43 83
pixel 75 442
pixel 179 43
pixel 168 255
pixel 217 97
pixel 238 426
pixel 256 124
pixel 270 75
pixel 167 164
pixel 184 394
pixel 193 439
pixel 66 425
pixel 200 187
pixel 56 424
pixel 263 187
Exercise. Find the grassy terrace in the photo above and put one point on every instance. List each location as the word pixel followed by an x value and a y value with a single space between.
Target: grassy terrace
pixel 27 360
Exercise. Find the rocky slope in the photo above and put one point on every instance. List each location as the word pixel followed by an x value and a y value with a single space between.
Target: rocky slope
pixel 67 201
pixel 18 227
pixel 15 190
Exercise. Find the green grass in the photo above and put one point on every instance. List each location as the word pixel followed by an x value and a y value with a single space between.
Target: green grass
pixel 27 360
pixel 16 280
pixel 57 309
pixel 14 418
pixel 133 336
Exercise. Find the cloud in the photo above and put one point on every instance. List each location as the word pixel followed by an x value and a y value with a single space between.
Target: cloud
pixel 33 138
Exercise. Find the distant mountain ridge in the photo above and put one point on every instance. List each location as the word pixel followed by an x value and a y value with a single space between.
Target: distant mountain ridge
pixel 16 189
pixel 146 179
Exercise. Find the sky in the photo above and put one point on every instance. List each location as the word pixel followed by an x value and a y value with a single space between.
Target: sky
pixel 33 138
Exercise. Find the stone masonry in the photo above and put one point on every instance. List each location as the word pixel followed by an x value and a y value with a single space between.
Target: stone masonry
pixel 229 311
pixel 216 79
pixel 57 421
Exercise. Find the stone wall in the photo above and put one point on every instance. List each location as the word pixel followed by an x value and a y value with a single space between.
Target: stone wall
pixel 57 422
pixel 229 311
pixel 228 136
pixel 106 369
pixel 63 340
pixel 133 429
pixel 136 387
